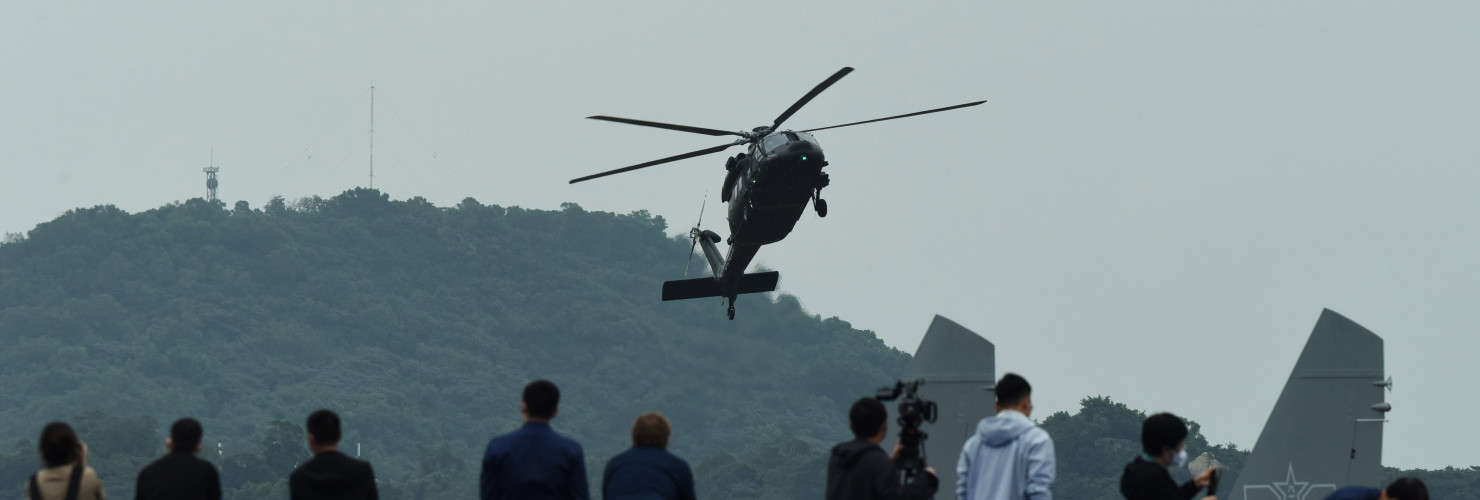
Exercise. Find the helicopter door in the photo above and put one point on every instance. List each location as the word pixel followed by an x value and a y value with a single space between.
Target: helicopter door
pixel 733 168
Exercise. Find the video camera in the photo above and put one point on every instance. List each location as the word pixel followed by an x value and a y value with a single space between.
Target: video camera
pixel 913 411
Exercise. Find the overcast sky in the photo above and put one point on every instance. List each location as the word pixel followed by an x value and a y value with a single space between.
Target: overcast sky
pixel 1155 204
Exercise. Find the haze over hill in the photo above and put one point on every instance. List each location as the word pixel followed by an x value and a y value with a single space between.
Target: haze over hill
pixel 420 324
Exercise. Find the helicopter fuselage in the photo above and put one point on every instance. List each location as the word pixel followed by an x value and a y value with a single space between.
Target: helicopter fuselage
pixel 769 187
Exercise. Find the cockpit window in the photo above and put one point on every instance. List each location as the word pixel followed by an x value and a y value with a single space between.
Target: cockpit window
pixel 808 137
pixel 771 143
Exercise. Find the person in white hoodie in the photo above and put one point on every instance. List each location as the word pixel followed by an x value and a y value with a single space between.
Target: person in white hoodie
pixel 1009 457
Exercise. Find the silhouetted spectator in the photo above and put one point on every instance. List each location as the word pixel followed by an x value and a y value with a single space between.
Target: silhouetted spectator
pixel 1405 488
pixel 859 469
pixel 1163 445
pixel 648 471
pixel 66 474
pixel 1009 457
pixel 180 475
pixel 534 462
pixel 330 474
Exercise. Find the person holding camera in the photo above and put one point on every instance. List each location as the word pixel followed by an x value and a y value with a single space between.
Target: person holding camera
pixel 1009 457
pixel 1163 445
pixel 860 470
pixel 66 475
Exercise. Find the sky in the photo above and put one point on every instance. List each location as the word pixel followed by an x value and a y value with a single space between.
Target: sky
pixel 1155 204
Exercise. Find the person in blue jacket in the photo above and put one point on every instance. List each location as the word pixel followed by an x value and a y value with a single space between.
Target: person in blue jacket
pixel 1009 457
pixel 1405 488
pixel 534 462
pixel 647 471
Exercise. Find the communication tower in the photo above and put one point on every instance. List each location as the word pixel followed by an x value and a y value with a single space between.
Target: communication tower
pixel 211 178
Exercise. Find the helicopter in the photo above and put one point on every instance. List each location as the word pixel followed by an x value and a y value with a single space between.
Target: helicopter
pixel 767 188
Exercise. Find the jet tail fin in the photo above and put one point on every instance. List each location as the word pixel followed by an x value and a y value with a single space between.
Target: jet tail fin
pixel 710 287
pixel 1325 431
pixel 959 370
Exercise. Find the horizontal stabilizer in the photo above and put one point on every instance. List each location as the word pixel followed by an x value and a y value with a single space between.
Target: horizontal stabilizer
pixel 758 282
pixel 709 287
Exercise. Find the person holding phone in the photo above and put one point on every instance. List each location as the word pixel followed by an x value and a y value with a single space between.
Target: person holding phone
pixel 1163 446
pixel 65 474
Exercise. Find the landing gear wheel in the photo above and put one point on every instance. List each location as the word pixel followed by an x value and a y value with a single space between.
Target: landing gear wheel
pixel 821 206
pixel 732 313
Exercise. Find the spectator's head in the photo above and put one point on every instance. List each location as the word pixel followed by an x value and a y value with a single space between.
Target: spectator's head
pixel 1161 433
pixel 185 436
pixel 1406 488
pixel 323 430
pixel 59 444
pixel 868 418
pixel 651 430
pixel 541 400
pixel 1014 393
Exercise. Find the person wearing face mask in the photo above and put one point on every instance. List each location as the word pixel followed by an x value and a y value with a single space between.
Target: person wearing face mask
pixel 1163 446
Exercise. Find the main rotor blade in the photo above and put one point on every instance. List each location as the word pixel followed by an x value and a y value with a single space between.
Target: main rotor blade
pixel 669 126
pixel 684 156
pixel 947 108
pixel 808 98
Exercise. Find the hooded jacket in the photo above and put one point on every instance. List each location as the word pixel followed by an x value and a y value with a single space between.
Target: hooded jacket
pixel 332 475
pixel 860 470
pixel 1147 480
pixel 1009 458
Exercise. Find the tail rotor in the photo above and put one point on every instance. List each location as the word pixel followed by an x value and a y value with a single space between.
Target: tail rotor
pixel 694 234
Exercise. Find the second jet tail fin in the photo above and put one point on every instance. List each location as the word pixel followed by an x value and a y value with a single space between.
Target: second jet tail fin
pixel 1325 431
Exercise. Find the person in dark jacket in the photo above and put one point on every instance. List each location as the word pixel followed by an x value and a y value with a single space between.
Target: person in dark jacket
pixel 180 475
pixel 859 469
pixel 534 462
pixel 1163 437
pixel 648 471
pixel 1405 488
pixel 330 475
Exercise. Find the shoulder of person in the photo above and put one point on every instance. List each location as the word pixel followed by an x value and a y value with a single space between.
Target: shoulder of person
pixel 681 464
pixel 90 479
pixel 675 458
pixel 503 440
pixel 570 443
pixel 876 457
pixel 203 463
pixel 150 467
pixel 1038 434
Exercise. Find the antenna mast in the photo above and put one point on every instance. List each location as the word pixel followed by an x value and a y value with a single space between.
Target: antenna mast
pixel 372 137
pixel 211 178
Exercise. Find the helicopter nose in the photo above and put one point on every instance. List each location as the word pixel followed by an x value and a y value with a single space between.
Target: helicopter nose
pixel 801 151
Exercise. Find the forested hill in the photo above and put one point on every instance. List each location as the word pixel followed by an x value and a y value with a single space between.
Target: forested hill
pixel 420 325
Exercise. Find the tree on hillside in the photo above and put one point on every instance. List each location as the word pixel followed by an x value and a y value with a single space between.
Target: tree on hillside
pixel 1094 445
